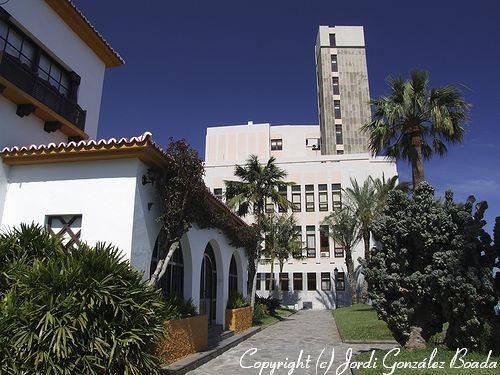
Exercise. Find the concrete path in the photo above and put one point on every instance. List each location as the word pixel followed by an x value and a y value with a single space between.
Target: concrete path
pixel 303 341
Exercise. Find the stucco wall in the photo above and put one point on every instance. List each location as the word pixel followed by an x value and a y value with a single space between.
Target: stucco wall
pixel 40 22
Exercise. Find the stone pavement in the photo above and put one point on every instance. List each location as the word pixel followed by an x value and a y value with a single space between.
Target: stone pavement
pixel 312 332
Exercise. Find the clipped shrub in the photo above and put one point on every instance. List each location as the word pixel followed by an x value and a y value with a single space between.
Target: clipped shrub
pixel 259 312
pixel 85 311
pixel 179 308
pixel 237 301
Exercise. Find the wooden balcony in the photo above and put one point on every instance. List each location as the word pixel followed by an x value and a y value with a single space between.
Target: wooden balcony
pixel 34 95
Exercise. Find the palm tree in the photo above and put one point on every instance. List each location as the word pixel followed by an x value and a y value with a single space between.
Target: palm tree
pixel 257 182
pixel 344 228
pixel 414 122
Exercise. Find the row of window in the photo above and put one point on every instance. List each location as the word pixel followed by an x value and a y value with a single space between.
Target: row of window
pixel 324 242
pixel 277 144
pixel 336 91
pixel 297 284
pixel 19 46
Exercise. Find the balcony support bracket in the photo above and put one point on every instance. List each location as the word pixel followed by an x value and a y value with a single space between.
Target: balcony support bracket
pixel 51 126
pixel 25 109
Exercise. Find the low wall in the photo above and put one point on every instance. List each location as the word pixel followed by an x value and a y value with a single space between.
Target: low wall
pixel 239 320
pixel 183 337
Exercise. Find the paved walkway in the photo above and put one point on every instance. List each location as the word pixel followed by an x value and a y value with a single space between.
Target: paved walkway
pixel 312 332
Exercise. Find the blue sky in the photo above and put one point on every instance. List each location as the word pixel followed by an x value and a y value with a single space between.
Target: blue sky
pixel 193 64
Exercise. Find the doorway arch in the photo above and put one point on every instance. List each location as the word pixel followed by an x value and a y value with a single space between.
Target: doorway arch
pixel 208 285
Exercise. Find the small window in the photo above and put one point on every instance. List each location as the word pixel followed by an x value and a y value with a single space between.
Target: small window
pixel 339 251
pixel 309 198
pixel 311 241
pixel 340 281
pixel 337 112
pixel 313 143
pixel 297 281
pixel 311 281
pixel 332 40
pixel 324 241
pixel 282 190
pixel 258 284
pixel 268 281
pixel 323 197
pixel 338 134
pixel 337 196
pixel 326 283
pixel 296 198
pixel 269 205
pixel 340 152
pixel 284 281
pixel 334 64
pixel 218 193
pixel 335 85
pixel 276 144
pixel 67 227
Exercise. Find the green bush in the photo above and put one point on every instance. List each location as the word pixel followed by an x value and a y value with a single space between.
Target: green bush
pixel 179 308
pixel 259 312
pixel 84 311
pixel 271 303
pixel 237 301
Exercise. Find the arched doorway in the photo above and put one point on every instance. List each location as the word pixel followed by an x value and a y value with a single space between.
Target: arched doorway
pixel 208 285
pixel 172 282
pixel 233 277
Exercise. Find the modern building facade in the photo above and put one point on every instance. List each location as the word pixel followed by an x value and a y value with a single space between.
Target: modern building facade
pixel 319 279
pixel 343 93
pixel 55 173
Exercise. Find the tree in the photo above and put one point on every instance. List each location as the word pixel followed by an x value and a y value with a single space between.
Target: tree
pixel 282 240
pixel 414 122
pixel 344 228
pixel 434 265
pixel 256 183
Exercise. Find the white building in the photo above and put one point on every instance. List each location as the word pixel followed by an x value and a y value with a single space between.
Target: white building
pixel 53 171
pixel 318 180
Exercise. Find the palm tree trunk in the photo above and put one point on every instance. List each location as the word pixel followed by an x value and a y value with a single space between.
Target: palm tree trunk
pixel 350 274
pixel 366 240
pixel 253 274
pixel 417 163
pixel 271 286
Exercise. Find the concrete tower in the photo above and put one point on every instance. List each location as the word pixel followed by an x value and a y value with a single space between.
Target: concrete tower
pixel 343 93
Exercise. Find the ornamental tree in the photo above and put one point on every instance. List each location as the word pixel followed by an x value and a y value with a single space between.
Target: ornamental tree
pixel 434 265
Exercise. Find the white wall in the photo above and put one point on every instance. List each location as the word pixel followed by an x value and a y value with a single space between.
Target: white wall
pixel 103 192
pixel 40 22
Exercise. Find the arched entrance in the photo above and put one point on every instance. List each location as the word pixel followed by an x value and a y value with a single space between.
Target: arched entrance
pixel 172 282
pixel 233 277
pixel 208 285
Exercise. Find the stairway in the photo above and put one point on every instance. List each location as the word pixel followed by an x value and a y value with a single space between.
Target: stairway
pixel 216 334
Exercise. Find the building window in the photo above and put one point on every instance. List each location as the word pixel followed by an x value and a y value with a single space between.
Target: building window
pixel 51 72
pixel 233 276
pixel 337 196
pixel 218 193
pixel 338 134
pixel 336 107
pixel 16 45
pixel 284 281
pixel 258 284
pixel 323 197
pixel 276 144
pixel 311 241
pixel 326 282
pixel 313 143
pixel 311 281
pixel 282 190
pixel 335 68
pixel 267 285
pixel 339 281
pixel 339 251
pixel 172 282
pixel 67 227
pixel 297 281
pixel 324 241
pixel 340 152
pixel 269 205
pixel 335 85
pixel 332 40
pixel 309 198
pixel 296 198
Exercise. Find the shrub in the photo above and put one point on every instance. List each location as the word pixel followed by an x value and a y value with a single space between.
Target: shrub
pixel 86 311
pixel 179 308
pixel 271 303
pixel 259 312
pixel 236 301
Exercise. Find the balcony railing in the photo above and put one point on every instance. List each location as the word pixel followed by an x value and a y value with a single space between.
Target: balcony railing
pixel 27 80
